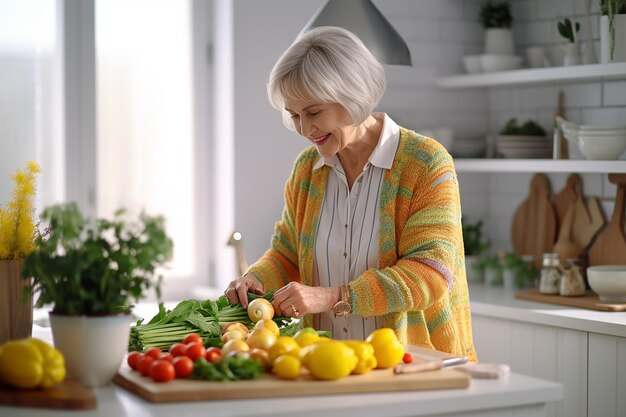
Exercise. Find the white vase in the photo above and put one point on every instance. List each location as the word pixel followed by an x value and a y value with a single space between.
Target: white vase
pixel 93 347
pixel 499 41
pixel 572 54
pixel 619 53
pixel 508 279
pixel 472 271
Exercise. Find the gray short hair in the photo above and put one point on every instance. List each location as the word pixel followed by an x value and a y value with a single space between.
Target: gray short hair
pixel 328 64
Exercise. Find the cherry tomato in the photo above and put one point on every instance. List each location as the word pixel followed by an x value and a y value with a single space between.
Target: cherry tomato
pixel 183 366
pixel 154 352
pixel 407 357
pixel 213 354
pixel 162 371
pixel 192 337
pixel 144 364
pixel 133 359
pixel 166 356
pixel 195 350
pixel 178 349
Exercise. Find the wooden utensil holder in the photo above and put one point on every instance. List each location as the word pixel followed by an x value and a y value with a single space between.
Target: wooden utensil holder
pixel 16 317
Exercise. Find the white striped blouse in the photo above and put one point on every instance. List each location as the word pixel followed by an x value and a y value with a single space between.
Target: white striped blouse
pixel 347 237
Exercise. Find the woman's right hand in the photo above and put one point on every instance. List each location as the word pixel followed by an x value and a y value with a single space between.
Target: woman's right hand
pixel 237 291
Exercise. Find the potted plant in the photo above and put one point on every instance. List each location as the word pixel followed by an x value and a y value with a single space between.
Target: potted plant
pixel 491 265
pixel 513 134
pixel 496 19
pixel 568 29
pixel 89 271
pixel 17 228
pixel 519 271
pixel 474 245
pixel 612 31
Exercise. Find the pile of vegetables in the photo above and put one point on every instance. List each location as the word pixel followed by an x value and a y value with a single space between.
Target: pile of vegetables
pixel 206 318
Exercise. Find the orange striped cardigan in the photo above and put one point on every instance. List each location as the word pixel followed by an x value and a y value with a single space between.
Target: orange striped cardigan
pixel 420 288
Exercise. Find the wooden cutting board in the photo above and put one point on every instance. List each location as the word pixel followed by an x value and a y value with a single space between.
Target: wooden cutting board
pixel 381 380
pixel 68 395
pixel 610 246
pixel 534 223
pixel 566 198
pixel 589 300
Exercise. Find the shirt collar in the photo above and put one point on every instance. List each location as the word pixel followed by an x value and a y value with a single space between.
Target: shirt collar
pixel 385 149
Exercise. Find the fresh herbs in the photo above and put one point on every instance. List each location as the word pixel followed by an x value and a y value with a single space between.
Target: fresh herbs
pixel 193 316
pixel 231 368
pixel 95 266
pixel 529 128
pixel 495 15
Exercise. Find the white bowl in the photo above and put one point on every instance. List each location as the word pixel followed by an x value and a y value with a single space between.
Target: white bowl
pixel 491 63
pixel 472 64
pixel 595 128
pixel 609 282
pixel 602 148
pixel 601 133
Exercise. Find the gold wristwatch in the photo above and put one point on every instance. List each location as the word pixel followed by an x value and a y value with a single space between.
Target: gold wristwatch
pixel 342 307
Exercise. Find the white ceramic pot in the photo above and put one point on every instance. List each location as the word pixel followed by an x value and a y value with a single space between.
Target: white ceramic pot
pixel 499 41
pixel 619 53
pixel 472 270
pixel 572 54
pixel 93 347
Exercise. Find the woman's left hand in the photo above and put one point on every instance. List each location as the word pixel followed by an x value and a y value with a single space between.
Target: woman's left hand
pixel 296 300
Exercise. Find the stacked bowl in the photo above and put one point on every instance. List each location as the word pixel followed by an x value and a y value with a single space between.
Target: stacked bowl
pixel 596 142
pixel 522 146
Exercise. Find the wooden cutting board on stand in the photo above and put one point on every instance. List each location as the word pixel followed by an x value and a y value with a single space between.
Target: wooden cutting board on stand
pixel 610 246
pixel 534 223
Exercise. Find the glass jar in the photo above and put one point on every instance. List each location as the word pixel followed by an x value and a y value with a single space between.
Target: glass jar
pixel 550 274
pixel 572 283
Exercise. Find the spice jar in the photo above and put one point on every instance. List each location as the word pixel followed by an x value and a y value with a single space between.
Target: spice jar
pixel 572 282
pixel 550 274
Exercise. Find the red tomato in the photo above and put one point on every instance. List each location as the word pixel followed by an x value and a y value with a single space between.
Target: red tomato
pixel 178 349
pixel 192 337
pixel 144 364
pixel 154 352
pixel 407 358
pixel 133 359
pixel 183 366
pixel 213 354
pixel 166 356
pixel 195 350
pixel 162 371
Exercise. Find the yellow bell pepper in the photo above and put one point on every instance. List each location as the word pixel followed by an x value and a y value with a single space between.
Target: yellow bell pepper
pixel 30 363
pixel 387 348
pixel 365 354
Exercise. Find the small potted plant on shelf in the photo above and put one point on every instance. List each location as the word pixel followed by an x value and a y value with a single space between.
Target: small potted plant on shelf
pixel 491 265
pixel 527 140
pixel 612 31
pixel 89 271
pixel 17 240
pixel 474 245
pixel 519 271
pixel 568 29
pixel 496 19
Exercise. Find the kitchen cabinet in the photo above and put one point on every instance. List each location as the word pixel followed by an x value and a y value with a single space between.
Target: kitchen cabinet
pixel 584 350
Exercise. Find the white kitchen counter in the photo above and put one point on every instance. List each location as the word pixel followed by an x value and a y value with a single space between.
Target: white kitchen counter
pixel 515 394
pixel 496 302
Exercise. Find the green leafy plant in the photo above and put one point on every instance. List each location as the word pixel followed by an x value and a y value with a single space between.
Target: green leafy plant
pixel 568 29
pixel 610 8
pixel 529 128
pixel 95 267
pixel 473 241
pixel 525 272
pixel 495 15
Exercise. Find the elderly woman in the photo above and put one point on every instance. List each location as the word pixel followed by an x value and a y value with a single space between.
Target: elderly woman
pixel 370 234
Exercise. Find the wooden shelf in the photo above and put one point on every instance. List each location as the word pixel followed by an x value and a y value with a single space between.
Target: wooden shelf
pixel 539 165
pixel 536 76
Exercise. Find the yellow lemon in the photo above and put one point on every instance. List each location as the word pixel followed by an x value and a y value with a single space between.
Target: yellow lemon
pixel 286 367
pixel 387 348
pixel 283 345
pixel 268 324
pixel 330 360
pixel 306 336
